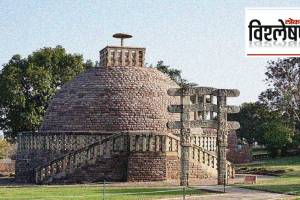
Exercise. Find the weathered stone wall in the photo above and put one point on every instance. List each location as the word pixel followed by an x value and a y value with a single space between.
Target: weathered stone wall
pixel 198 171
pixel 131 156
pixel 173 166
pixel 112 168
pixel 26 161
pixel 145 150
pixel 113 99
pixel 147 166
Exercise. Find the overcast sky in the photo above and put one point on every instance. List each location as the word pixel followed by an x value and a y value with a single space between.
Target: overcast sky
pixel 204 39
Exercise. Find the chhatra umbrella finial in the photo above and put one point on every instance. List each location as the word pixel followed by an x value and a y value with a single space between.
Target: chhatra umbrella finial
pixel 122 36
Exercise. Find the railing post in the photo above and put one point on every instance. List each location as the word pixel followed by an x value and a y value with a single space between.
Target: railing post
pixel 222 140
pixel 185 140
pixel 36 173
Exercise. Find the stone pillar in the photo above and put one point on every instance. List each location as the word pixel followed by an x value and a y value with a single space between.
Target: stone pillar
pixel 196 117
pixel 137 59
pixel 211 114
pixel 222 141
pixel 143 58
pixel 130 57
pixel 185 140
pixel 204 107
pixel 123 57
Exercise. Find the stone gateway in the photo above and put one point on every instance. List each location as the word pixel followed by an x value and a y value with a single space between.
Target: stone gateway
pixel 111 122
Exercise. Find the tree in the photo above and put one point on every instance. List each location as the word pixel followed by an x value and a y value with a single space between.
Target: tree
pixel 7 150
pixel 250 117
pixel 277 136
pixel 283 76
pixel 3 148
pixel 174 74
pixel 27 85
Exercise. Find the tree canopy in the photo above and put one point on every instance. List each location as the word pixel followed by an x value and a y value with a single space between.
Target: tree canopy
pixel 174 74
pixel 27 84
pixel 274 120
pixel 283 78
pixel 251 116
pixel 277 136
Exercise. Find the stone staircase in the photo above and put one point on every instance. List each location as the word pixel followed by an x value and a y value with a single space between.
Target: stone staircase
pixel 96 172
pixel 91 162
pixel 67 164
pixel 208 160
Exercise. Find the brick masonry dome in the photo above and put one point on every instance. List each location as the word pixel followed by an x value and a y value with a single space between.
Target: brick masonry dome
pixel 111 99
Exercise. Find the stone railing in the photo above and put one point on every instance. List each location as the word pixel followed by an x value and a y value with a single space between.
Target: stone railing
pixel 200 155
pixel 58 141
pixel 66 164
pixel 209 159
pixel 206 140
pixel 141 142
pixel 70 141
pixel 92 146
pixel 208 143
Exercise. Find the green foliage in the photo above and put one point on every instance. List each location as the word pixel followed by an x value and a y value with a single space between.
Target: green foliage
pixel 283 77
pixel 7 150
pixel 262 125
pixel 4 145
pixel 174 74
pixel 283 94
pixel 295 141
pixel 27 84
pixel 277 136
pixel 251 116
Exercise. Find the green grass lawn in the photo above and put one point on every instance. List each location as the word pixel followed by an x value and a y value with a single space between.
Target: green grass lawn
pixel 259 151
pixel 83 192
pixel 287 169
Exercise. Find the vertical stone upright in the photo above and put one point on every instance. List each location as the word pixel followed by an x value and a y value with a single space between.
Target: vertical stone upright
pixel 206 107
pixel 204 116
pixel 211 113
pixel 185 140
pixel 222 140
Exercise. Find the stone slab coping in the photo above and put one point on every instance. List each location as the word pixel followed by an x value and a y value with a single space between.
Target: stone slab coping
pixel 98 133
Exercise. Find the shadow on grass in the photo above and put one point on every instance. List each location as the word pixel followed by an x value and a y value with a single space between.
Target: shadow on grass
pixel 93 192
pixel 293 189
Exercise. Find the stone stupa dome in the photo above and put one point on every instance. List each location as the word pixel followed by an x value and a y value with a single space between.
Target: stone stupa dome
pixel 110 99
